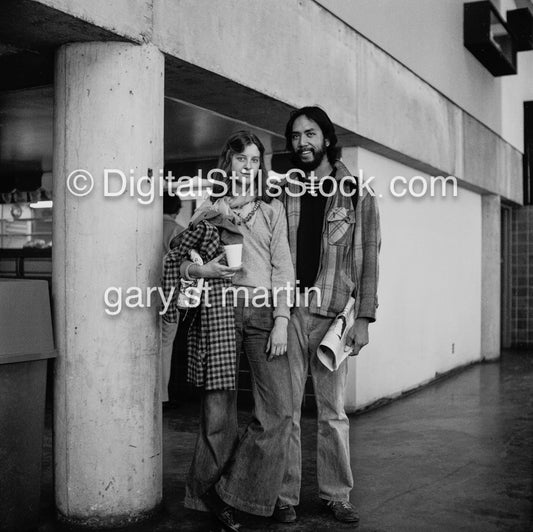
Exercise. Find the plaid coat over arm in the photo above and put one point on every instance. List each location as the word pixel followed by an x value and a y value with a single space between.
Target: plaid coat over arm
pixel 211 352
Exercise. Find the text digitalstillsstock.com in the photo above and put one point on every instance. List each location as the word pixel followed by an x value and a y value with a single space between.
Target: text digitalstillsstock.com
pixel 145 188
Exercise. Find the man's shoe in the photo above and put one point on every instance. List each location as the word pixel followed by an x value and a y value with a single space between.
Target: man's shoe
pixel 284 513
pixel 343 511
pixel 223 512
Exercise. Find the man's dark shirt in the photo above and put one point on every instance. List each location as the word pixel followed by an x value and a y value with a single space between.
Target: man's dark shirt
pixel 309 237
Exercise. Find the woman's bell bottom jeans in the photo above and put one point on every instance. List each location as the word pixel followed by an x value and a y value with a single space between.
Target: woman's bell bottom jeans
pixel 247 472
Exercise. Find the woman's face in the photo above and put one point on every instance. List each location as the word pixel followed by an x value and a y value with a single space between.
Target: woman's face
pixel 245 166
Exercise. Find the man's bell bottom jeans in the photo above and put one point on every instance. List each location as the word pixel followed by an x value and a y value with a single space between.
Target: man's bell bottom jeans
pixel 335 479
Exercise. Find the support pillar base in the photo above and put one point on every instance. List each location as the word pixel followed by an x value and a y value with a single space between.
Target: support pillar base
pixel 111 522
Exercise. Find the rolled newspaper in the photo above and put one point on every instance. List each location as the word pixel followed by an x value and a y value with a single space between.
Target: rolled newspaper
pixel 333 349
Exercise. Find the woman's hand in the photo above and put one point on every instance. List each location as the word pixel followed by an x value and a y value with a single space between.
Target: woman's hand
pixel 277 341
pixel 214 270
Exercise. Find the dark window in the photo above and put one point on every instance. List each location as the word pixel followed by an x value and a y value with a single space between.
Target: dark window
pixel 528 153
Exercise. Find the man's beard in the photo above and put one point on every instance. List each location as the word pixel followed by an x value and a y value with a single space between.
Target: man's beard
pixel 308 166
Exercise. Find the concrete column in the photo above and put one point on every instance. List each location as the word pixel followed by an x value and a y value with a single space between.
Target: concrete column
pixel 108 114
pixel 490 277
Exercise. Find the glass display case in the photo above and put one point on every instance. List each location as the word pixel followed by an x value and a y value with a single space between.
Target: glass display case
pixel 25 240
pixel 23 226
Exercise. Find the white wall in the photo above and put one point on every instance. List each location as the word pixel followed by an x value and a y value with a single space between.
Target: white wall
pixel 429 290
pixel 427 37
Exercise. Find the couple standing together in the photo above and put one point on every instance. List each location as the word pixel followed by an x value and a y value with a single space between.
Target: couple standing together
pixel 326 239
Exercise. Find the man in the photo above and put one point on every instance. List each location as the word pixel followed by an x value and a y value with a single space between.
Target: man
pixel 171 208
pixel 171 228
pixel 334 246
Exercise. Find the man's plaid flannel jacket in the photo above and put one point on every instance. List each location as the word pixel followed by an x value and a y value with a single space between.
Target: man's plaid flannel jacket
pixel 349 252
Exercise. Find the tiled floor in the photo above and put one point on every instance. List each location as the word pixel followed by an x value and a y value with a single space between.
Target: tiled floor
pixel 455 456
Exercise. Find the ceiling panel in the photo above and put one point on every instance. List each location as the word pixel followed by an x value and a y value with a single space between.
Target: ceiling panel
pixel 26 130
pixel 26 126
pixel 195 133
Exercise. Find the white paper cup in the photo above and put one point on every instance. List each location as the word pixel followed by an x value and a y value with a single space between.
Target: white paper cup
pixel 234 254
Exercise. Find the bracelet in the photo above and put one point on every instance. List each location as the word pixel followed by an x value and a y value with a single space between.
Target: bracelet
pixel 186 272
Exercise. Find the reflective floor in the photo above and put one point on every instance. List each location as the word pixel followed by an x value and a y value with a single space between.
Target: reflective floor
pixel 457 455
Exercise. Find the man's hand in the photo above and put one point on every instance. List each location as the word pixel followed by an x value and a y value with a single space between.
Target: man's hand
pixel 358 335
pixel 277 341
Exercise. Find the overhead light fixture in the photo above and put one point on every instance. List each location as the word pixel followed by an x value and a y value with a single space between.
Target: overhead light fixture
pixel 42 205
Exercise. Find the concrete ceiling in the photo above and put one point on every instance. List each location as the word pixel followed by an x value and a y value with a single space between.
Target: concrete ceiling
pixel 26 122
pixel 26 130
pixel 195 133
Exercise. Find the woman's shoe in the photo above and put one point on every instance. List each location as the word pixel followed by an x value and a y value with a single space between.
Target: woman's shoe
pixel 284 513
pixel 224 513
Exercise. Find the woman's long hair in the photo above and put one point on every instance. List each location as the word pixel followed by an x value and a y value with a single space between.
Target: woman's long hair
pixel 236 144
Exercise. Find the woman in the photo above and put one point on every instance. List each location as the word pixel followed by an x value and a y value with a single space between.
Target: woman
pixel 227 473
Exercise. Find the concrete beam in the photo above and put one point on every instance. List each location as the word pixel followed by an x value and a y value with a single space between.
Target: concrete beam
pixel 490 163
pixel 285 54
pixel 129 19
pixel 309 56
pixel 31 25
